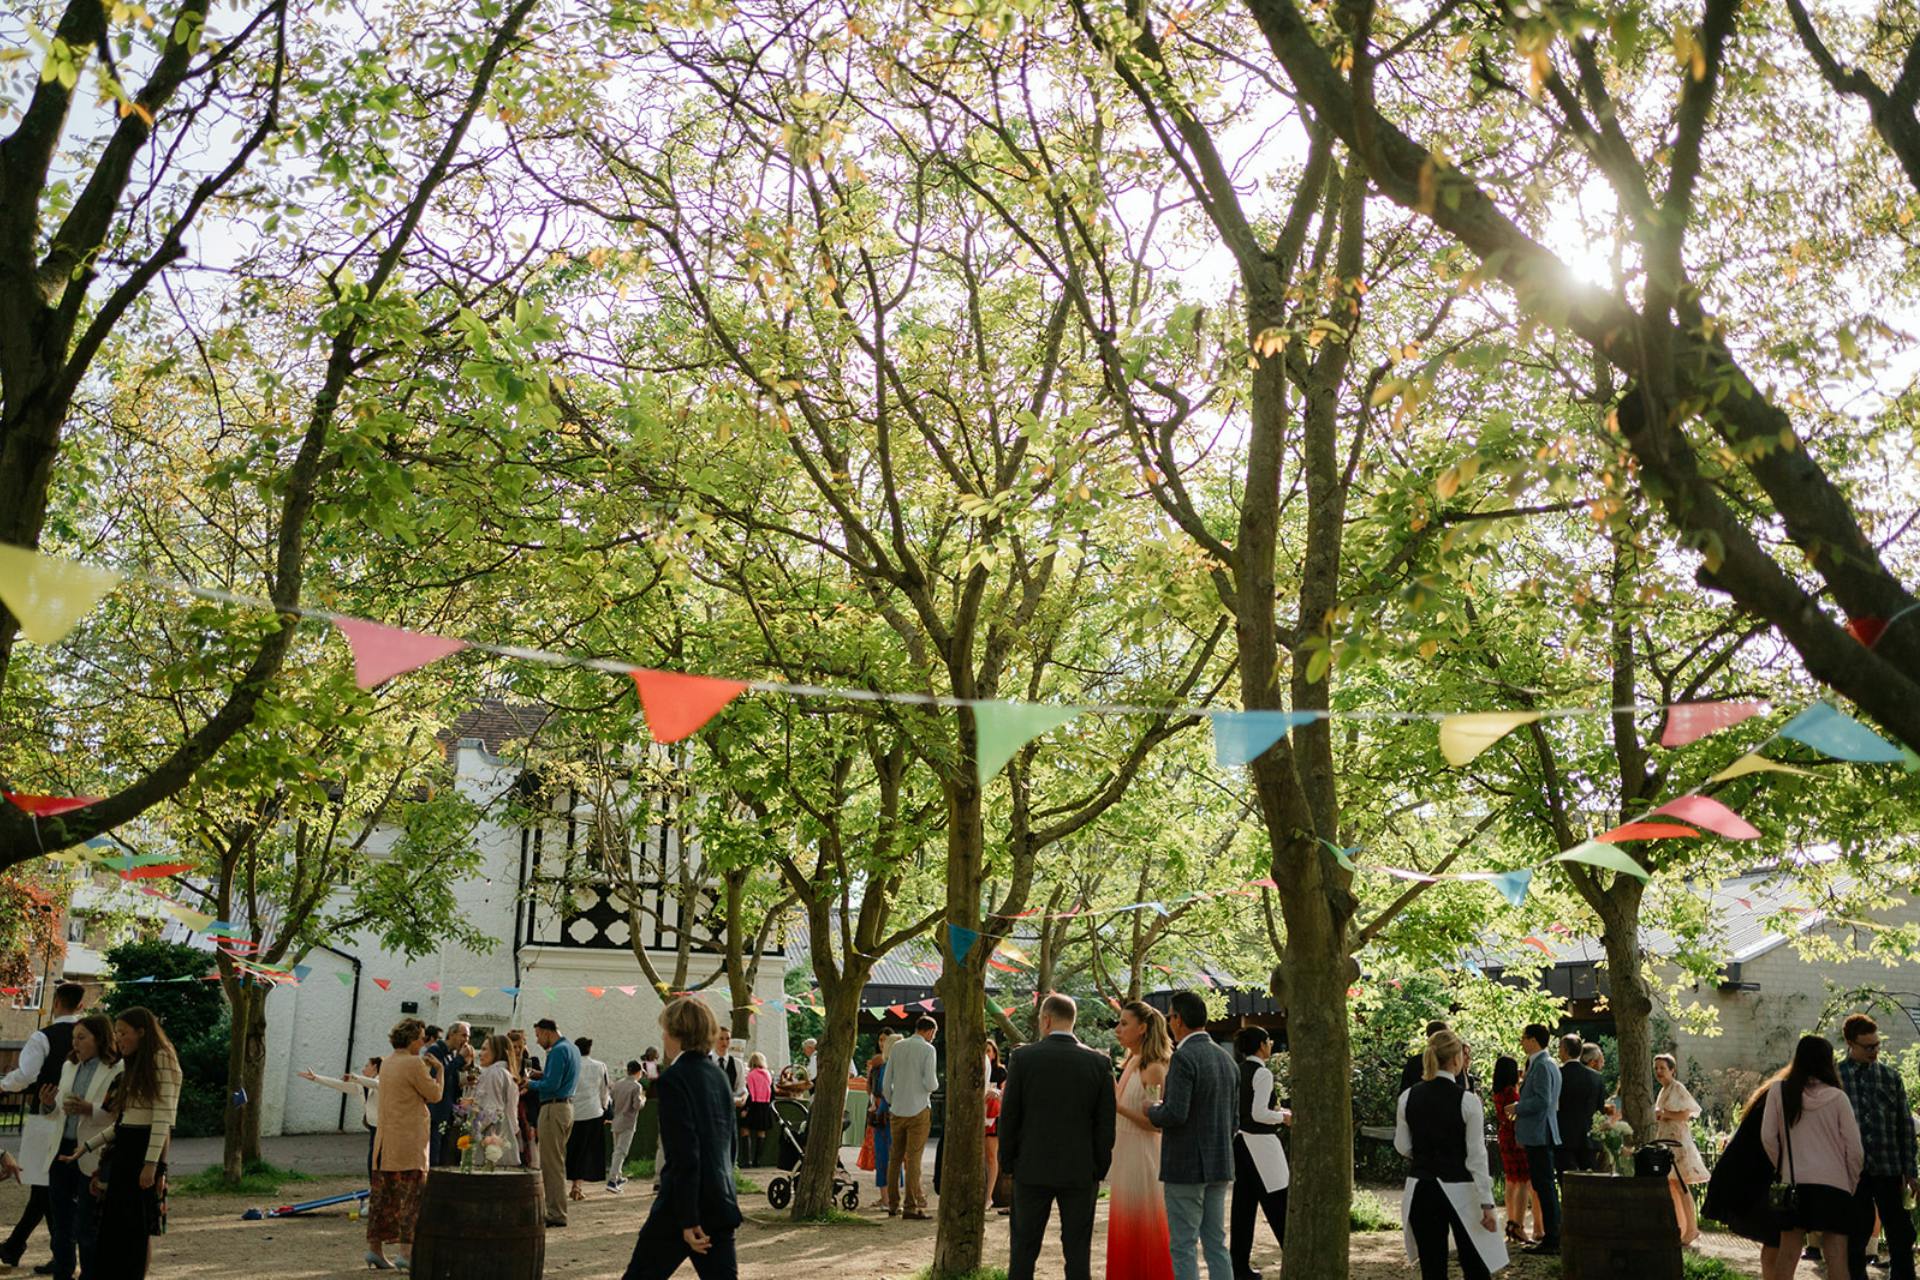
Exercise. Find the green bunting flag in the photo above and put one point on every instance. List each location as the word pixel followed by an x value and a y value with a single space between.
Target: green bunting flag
pixel 1593 853
pixel 1005 727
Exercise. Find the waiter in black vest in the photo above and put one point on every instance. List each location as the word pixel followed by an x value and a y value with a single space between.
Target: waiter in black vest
pixel 1441 1130
pixel 38 1072
pixel 1260 1173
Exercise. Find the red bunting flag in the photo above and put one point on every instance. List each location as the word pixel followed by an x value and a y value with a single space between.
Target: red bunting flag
pixel 897 1010
pixel 383 983
pixel 48 806
pixel 596 992
pixel 433 987
pixel 676 705
pixel 1703 811
pixel 157 871
pixel 1691 721
pixel 1867 630
pixel 1532 941
pixel 1644 831
pixel 381 652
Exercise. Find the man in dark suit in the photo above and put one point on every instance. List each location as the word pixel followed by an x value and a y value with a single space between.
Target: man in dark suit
pixel 1056 1140
pixel 1413 1070
pixel 1196 1120
pixel 695 1214
pixel 1582 1093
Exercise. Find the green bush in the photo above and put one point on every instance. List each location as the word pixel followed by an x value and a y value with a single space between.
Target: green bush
pixel 193 1014
pixel 1696 1266
pixel 1366 1213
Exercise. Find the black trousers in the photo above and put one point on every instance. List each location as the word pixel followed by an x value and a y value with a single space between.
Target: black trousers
pixel 1032 1206
pixel 1541 1172
pixel 1250 1195
pixel 65 1183
pixel 16 1244
pixel 661 1249
pixel 1881 1191
pixel 1431 1219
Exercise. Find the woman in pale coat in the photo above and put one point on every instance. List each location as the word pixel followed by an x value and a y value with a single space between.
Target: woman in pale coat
pixel 409 1084
pixel 1673 1113
pixel 90 1069
pixel 496 1102
pixel 1810 1134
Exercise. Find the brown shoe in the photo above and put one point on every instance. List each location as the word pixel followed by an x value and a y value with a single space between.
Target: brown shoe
pixel 918 1217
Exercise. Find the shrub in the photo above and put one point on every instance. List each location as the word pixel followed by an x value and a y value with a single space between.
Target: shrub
pixel 1366 1213
pixel 1698 1266
pixel 194 1014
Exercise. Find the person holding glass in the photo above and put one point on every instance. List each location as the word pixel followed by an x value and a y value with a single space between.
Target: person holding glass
pixel 1137 1242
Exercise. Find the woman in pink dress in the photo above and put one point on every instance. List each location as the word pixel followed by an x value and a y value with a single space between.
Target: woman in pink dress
pixel 1137 1247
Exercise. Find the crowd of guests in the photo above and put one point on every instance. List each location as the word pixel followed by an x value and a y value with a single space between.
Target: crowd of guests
pixel 103 1091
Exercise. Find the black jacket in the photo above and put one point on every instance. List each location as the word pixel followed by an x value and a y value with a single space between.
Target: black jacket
pixel 1737 1190
pixel 1056 1116
pixel 1582 1093
pixel 1413 1070
pixel 696 1144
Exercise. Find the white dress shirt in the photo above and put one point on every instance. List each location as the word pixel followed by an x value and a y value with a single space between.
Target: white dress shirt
pixel 912 1076
pixel 33 1056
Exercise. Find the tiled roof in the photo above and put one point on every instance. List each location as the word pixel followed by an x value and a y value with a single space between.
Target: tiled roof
pixel 495 723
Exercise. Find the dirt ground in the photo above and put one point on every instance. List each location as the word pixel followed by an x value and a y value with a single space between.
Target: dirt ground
pixel 208 1240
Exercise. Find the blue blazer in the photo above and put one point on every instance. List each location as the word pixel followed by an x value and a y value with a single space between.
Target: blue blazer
pixel 1197 1114
pixel 1535 1120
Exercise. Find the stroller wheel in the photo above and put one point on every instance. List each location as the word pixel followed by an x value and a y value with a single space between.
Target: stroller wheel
pixel 780 1192
pixel 850 1200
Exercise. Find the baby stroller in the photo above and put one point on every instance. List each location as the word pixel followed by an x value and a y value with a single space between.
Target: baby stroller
pixel 793 1118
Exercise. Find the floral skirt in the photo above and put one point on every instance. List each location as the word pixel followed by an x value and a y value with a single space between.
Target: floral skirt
pixel 394 1204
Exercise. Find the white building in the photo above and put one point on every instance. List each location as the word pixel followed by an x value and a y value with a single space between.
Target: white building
pixel 543 964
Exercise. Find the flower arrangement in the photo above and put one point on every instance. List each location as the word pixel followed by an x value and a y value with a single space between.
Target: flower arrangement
pixel 1613 1133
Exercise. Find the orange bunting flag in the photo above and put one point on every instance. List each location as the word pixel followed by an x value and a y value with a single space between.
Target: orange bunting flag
pixel 1691 721
pixel 156 871
pixel 48 806
pixel 1703 811
pixel 1532 941
pixel 897 1010
pixel 383 983
pixel 1645 831
pixel 381 652
pixel 596 992
pixel 676 705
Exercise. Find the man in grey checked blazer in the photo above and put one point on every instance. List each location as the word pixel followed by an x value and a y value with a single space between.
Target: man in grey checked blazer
pixel 1196 1118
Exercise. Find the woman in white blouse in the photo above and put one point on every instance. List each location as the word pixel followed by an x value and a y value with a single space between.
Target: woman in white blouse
pixel 1442 1131
pixel 365 1086
pixel 587 1145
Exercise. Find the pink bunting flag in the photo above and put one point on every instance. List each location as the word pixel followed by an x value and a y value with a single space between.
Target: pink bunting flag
pixel 1745 902
pixel 433 987
pixel 626 991
pixel 48 806
pixel 1645 831
pixel 1703 811
pixel 1691 721
pixel 1266 882
pixel 381 652
pixel 676 705
pixel 383 983
pixel 927 1005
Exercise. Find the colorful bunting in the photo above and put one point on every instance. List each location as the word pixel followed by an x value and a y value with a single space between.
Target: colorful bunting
pixel 48 806
pixel 49 596
pixel 346 979
pixel 470 992
pixel 1594 853
pixel 434 987
pixel 1513 885
pixel 156 871
pixel 1754 762
pixel 1002 728
pixel 509 991
pixel 1532 941
pixel 961 941
pixel 1464 737
pixel 627 991
pixel 596 992
pixel 1644 831
pixel 1691 721
pixel 897 1010
pixel 383 983
pixel 381 652
pixel 1704 811
pixel 1828 730
pixel 676 705
pixel 1241 737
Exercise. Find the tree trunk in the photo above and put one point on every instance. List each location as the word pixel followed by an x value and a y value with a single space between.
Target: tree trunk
pixel 813 1185
pixel 960 1231
pixel 1631 1000
pixel 246 1067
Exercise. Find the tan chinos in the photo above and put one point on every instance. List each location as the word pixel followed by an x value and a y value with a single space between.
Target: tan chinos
pixel 556 1126
pixel 907 1155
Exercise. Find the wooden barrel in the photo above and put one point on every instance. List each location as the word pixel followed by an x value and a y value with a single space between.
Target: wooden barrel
pixel 481 1226
pixel 1618 1229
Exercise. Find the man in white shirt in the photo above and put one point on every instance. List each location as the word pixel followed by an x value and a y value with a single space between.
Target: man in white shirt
pixel 736 1072
pixel 912 1077
pixel 39 1071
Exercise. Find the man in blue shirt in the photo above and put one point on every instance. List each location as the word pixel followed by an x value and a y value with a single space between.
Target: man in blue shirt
pixel 554 1089
pixel 1536 1124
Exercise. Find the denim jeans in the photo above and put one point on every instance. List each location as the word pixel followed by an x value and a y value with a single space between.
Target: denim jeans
pixel 65 1184
pixel 1197 1215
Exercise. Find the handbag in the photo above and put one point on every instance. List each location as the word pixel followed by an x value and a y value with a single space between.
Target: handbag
pixel 865 1160
pixel 1783 1198
pixel 1655 1160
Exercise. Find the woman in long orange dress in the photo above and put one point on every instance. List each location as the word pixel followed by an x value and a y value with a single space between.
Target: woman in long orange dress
pixel 1137 1247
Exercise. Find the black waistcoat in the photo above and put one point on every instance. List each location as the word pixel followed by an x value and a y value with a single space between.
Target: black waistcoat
pixel 1248 1068
pixel 1438 1129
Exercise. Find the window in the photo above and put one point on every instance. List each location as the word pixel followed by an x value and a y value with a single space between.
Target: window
pixel 77 929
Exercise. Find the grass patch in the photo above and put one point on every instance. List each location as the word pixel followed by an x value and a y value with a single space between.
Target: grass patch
pixel 1696 1266
pixel 1366 1213
pixel 838 1218
pixel 745 1186
pixel 259 1179
pixel 639 1168
pixel 984 1273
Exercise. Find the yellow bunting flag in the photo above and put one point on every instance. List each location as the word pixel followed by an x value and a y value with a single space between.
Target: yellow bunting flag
pixel 1753 762
pixel 469 992
pixel 50 596
pixel 1464 737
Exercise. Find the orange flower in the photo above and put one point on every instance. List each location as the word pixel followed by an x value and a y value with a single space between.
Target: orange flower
pixel 466 1140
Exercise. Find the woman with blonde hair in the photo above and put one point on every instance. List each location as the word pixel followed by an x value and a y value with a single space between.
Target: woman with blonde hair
pixel 1441 1129
pixel 1138 1247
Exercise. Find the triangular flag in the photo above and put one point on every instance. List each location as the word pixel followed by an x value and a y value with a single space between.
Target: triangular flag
pixel 676 705
pixel 1005 727
pixel 1754 762
pixel 876 1012
pixel 50 596
pixel 1691 721
pixel 1704 811
pixel 300 972
pixel 1912 759
pixel 194 920
pixel 470 992
pixel 1645 831
pixel 434 987
pixel 381 652
pixel 926 1005
pixel 1839 735
pixel 346 979
pixel 596 992
pixel 509 991
pixel 961 940
pixel 383 983
pixel 1464 737
pixel 1866 630
pixel 48 806
pixel 547 992
pixel 1513 885
pixel 1532 941
pixel 626 991
pixel 1241 737
pixel 1593 853
pixel 897 1010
